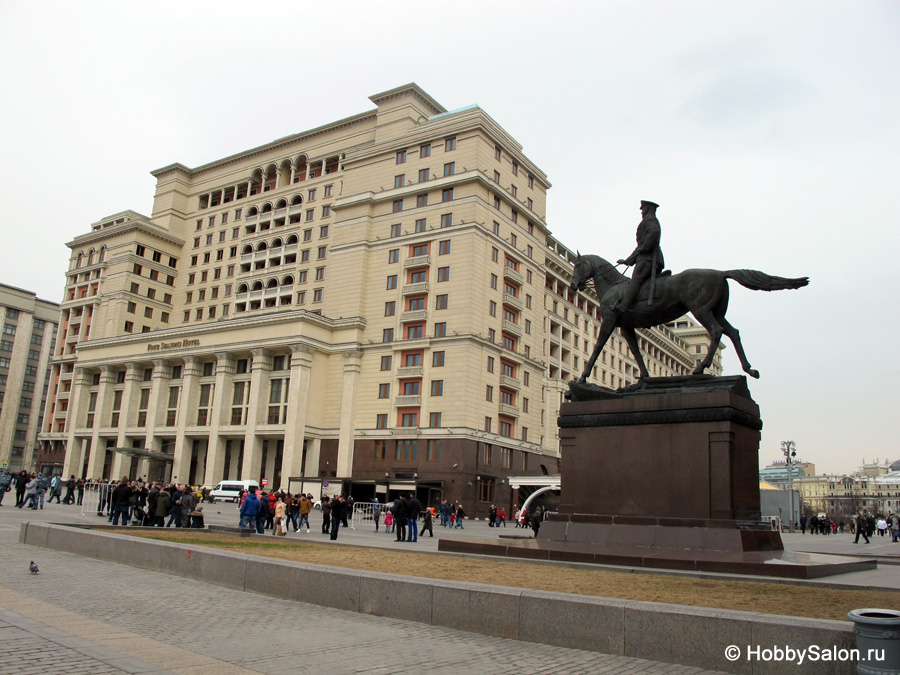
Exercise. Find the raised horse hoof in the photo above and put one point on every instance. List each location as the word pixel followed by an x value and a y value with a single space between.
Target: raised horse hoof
pixel 753 373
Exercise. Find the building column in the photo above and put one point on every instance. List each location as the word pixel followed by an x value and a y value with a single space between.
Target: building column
pixel 127 418
pixel 348 413
pixel 101 420
pixel 293 172
pixel 256 411
pixel 181 464
pixel 313 453
pixel 78 404
pixel 298 395
pixel 221 410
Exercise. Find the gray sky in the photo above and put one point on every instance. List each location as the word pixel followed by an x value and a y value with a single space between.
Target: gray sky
pixel 767 131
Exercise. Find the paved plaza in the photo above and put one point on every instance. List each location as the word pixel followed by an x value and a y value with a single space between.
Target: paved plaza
pixel 84 615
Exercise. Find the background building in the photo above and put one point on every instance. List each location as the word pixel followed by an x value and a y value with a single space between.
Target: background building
pixel 28 340
pixel 376 303
pixel 873 488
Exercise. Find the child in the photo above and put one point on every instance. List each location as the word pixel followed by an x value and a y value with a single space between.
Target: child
pixel 388 522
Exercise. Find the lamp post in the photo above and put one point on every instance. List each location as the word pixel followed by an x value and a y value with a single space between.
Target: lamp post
pixel 789 448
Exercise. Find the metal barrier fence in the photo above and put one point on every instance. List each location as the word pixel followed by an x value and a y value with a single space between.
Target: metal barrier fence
pixel 363 513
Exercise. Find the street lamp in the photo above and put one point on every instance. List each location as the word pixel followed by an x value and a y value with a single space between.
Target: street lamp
pixel 789 448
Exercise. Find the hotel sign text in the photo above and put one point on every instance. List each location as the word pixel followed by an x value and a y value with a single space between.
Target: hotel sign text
pixel 162 346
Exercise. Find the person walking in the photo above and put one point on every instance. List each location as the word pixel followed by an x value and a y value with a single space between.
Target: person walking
pixel 249 510
pixel 862 528
pixel 55 489
pixel 305 507
pixel 188 502
pixel 427 523
pixel 6 481
pixel 163 505
pixel 460 516
pixel 70 491
pixel 280 524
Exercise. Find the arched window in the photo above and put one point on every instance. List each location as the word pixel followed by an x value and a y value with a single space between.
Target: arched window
pixel 257 286
pixel 276 243
pixel 242 288
pixel 272 283
pixel 80 261
pixel 280 204
pixel 103 254
pixel 288 281
pixel 247 249
pixel 292 240
pixel 296 200
pixel 252 211
pixel 261 246
pixel 267 207
pixel 90 257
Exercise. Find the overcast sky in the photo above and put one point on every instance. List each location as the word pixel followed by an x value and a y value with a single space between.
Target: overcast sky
pixel 768 132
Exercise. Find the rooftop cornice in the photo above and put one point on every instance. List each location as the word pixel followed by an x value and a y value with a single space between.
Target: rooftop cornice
pixel 259 320
pixel 268 147
pixel 114 231
pixel 411 88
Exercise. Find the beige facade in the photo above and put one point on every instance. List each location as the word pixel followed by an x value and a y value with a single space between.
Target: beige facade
pixel 874 488
pixel 26 345
pixel 377 301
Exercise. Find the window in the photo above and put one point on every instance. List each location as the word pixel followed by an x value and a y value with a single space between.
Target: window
pixel 322 252
pixel 399 181
pixel 434 420
pixel 311 196
pixel 317 295
pixel 420 225
pixel 450 144
pixel 434 450
pixel 497 177
pixel 384 391
pixel 131 308
pixel 415 332
pixel 411 388
pixel 490 364
pixel 406 450
pixel 446 219
pixel 401 156
pixel 380 447
pixel 449 168
pixel 395 230
pixel 492 308
pixel 320 274
pixel 425 150
pixel 443 274
pixel 440 329
pixel 495 255
pixel 329 190
pixel 437 359
pixel 386 362
pixel 387 335
pixel 441 301
pixel 421 200
pixel 381 421
pixel 390 308
pixel 444 247
pixel 392 279
pixel 129 326
pixel 409 419
pixel 447 195
pixel 437 387
pixel 423 175
pixel 488 393
pixel 310 214
pixel 397 206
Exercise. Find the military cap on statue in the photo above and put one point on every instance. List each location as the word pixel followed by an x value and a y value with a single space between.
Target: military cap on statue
pixel 650 204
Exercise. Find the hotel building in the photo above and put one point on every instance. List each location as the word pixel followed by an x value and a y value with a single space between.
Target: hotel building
pixel 376 303
pixel 27 343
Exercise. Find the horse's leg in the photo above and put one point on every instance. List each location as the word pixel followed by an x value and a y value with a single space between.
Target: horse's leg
pixel 735 338
pixel 706 318
pixel 607 326
pixel 631 339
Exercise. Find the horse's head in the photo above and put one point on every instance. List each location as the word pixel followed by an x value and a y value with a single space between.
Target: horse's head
pixel 581 273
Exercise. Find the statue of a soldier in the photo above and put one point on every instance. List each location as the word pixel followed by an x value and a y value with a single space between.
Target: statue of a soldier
pixel 647 257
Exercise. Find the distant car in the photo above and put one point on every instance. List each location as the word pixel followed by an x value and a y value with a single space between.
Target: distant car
pixel 318 505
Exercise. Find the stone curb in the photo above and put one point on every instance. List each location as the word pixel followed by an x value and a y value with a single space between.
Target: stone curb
pixel 693 636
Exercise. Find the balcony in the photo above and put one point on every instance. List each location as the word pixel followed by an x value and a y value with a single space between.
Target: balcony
pixel 410 371
pixel 511 410
pixel 512 301
pixel 251 220
pixel 295 209
pixel 510 382
pixel 417 315
pixel 406 401
pixel 406 431
pixel 512 328
pixel 415 289
pixel 417 261
pixel 512 275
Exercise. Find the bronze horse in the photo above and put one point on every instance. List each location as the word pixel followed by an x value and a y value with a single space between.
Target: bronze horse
pixel 703 293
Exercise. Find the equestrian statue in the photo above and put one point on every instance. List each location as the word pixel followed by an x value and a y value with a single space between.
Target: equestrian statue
pixel 653 296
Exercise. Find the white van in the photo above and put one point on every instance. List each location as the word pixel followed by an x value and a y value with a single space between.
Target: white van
pixel 230 490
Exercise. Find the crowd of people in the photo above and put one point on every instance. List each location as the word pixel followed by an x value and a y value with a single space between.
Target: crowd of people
pixel 32 488
pixel 864 525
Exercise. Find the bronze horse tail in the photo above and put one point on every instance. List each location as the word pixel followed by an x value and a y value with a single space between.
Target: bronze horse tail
pixel 760 281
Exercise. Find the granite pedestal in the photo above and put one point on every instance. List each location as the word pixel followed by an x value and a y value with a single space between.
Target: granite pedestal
pixel 664 475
